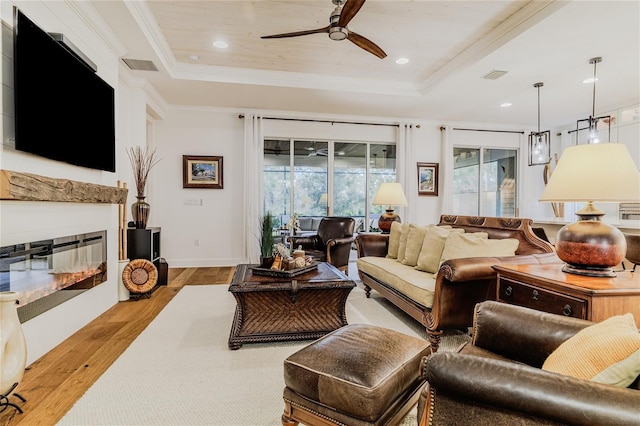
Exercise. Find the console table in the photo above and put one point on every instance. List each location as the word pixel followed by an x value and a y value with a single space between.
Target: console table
pixel 546 288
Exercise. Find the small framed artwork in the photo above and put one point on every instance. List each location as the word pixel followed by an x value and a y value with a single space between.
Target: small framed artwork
pixel 201 171
pixel 428 179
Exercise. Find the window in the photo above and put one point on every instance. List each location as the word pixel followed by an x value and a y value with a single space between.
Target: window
pixel 320 178
pixel 484 181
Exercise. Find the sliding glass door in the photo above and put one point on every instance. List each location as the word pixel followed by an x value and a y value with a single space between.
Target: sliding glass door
pixel 484 181
pixel 322 178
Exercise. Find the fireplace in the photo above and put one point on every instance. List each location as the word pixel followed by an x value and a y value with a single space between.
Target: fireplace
pixel 47 273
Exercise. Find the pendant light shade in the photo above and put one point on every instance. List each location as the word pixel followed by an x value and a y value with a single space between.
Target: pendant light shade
pixel 593 124
pixel 539 142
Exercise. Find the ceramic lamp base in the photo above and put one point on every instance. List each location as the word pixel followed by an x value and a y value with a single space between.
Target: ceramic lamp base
pixel 386 219
pixel 591 248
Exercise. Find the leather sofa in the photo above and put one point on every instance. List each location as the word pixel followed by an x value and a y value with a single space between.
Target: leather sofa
pixel 446 300
pixel 496 378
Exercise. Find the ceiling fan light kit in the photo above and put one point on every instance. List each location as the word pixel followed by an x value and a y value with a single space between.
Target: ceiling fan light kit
pixel 337 29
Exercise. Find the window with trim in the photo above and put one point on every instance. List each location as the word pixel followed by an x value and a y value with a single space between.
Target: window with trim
pixel 484 181
pixel 321 178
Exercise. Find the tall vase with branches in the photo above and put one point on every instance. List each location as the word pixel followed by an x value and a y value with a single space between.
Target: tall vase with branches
pixel 142 161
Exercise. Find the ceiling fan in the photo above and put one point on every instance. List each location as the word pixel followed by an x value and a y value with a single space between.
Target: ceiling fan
pixel 337 29
pixel 322 152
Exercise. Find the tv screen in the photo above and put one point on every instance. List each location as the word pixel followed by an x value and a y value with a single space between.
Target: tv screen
pixel 63 110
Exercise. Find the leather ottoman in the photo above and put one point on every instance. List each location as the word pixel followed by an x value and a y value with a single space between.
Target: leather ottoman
pixel 357 375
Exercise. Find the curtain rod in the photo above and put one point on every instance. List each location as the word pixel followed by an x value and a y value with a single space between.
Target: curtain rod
pixel 486 130
pixel 331 121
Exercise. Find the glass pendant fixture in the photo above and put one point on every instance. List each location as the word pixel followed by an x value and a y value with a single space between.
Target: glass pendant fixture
pixel 539 142
pixel 593 124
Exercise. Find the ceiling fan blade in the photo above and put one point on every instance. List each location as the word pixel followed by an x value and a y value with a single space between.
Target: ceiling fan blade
pixel 366 44
pixel 299 33
pixel 349 10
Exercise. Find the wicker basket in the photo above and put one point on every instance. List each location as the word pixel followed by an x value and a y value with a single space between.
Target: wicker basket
pixel 139 276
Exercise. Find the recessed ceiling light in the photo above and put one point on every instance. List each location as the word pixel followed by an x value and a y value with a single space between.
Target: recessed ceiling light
pixel 590 80
pixel 402 61
pixel 505 104
pixel 220 44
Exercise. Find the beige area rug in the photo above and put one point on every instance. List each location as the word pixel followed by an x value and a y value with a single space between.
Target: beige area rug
pixel 179 371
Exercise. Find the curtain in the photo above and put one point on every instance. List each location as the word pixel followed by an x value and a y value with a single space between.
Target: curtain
pixel 446 171
pixel 253 196
pixel 404 156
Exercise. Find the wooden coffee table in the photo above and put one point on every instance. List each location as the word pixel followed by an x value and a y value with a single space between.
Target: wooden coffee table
pixel 303 307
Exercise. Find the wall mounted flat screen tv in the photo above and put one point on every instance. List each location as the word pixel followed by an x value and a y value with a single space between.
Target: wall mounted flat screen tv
pixel 64 111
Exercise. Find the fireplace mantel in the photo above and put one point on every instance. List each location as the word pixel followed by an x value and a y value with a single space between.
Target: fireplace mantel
pixel 18 186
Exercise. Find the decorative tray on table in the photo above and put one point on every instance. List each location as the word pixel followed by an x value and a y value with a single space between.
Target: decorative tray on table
pixel 284 273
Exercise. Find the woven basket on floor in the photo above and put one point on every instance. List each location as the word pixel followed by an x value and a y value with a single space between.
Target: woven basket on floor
pixel 139 276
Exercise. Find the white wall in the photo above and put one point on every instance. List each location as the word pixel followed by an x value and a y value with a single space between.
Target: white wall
pixel 28 221
pixel 200 227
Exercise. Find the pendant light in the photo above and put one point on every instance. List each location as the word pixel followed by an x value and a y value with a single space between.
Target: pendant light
pixel 591 124
pixel 539 142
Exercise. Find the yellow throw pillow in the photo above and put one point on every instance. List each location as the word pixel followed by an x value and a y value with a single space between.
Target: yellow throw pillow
pixel 606 352
pixel 415 239
pixel 402 247
pixel 477 244
pixel 432 246
pixel 394 240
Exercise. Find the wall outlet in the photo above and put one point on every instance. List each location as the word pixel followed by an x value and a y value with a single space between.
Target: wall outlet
pixel 196 242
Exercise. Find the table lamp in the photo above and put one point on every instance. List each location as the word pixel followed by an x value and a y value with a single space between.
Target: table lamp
pixel 592 173
pixel 389 194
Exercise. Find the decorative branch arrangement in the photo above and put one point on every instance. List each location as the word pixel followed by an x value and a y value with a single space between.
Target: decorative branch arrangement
pixel 142 161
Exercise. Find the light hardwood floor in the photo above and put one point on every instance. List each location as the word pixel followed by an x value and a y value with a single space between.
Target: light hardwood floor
pixel 53 383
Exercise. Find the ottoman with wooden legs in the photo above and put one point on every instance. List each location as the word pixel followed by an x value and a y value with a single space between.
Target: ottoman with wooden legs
pixel 357 375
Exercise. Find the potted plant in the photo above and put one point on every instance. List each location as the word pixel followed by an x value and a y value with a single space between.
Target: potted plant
pixel 266 240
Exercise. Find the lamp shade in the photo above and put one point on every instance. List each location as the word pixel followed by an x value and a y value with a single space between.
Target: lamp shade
pixel 595 172
pixel 390 194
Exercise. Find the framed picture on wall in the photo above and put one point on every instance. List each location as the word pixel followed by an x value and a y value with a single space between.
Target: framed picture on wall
pixel 201 171
pixel 428 179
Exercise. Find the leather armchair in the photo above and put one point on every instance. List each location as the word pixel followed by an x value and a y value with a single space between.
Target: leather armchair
pixel 331 244
pixel 497 379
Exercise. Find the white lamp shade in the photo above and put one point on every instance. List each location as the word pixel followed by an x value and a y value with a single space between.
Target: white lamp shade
pixel 390 194
pixel 595 172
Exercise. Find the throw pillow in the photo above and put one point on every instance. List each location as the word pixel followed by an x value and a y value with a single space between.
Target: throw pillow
pixel 394 240
pixel 477 244
pixel 402 247
pixel 415 239
pixel 432 246
pixel 606 352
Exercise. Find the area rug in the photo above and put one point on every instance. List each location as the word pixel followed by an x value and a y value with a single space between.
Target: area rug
pixel 179 371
